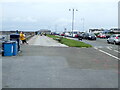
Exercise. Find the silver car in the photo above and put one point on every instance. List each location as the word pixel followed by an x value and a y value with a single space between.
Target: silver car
pixel 115 39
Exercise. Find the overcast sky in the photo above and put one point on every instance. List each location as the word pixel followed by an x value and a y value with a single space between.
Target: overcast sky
pixel 51 14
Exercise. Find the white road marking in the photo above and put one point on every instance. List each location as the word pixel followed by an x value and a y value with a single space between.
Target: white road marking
pixel 95 48
pixel 103 47
pixel 109 54
pixel 116 51
pixel 100 46
pixel 109 48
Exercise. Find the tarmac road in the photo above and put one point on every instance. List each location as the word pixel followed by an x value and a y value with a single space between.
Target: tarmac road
pixel 102 46
pixel 59 67
pixel 102 43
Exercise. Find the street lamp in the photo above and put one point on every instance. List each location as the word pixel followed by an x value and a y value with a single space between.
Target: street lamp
pixel 65 29
pixel 73 12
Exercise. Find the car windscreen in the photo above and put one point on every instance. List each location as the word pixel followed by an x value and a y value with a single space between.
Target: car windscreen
pixel 119 36
pixel 75 32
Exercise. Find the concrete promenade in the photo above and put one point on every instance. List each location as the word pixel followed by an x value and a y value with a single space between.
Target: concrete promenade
pixel 44 41
pixel 58 67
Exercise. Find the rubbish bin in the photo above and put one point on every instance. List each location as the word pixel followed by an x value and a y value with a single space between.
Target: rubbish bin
pixel 8 49
pixel 15 48
pixel 15 37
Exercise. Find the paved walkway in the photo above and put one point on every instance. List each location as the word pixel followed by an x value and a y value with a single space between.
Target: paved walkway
pixel 44 41
pixel 58 67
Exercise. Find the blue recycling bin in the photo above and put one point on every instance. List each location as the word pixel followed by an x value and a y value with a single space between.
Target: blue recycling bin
pixel 8 48
pixel 15 37
pixel 15 48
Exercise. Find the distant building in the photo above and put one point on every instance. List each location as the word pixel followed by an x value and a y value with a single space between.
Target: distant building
pixel 11 32
pixel 96 30
pixel 44 31
pixel 7 32
pixel 107 32
pixel 115 30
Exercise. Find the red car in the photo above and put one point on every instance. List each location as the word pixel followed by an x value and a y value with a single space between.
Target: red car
pixel 62 34
pixel 101 36
pixel 76 36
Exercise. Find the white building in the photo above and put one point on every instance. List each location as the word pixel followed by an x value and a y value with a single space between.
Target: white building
pixel 96 30
pixel 115 29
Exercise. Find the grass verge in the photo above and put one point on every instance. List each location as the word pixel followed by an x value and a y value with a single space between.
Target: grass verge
pixel 71 43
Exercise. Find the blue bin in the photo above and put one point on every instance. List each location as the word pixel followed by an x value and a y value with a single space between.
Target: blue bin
pixel 15 37
pixel 8 48
pixel 15 48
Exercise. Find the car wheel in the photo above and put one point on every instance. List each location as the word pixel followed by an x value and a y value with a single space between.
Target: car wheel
pixel 108 42
pixel 115 43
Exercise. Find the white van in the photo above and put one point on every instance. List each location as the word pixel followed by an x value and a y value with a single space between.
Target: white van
pixel 75 33
pixel 67 34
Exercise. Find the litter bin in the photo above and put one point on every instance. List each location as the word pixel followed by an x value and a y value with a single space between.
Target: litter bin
pixel 7 48
pixel 15 48
pixel 15 37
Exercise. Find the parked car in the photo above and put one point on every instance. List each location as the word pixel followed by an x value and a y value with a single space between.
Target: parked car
pixel 115 39
pixel 57 33
pixel 67 34
pixel 80 36
pixel 74 33
pixel 76 36
pixel 108 35
pixel 62 34
pixel 70 35
pixel 103 35
pixel 90 36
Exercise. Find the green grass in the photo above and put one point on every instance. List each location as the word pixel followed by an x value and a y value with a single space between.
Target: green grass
pixel 71 43
pixel 53 36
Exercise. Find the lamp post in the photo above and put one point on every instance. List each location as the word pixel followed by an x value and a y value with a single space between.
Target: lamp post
pixel 65 29
pixel 73 12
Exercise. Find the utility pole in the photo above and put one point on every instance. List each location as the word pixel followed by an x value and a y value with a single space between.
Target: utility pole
pixel 65 30
pixel 73 12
